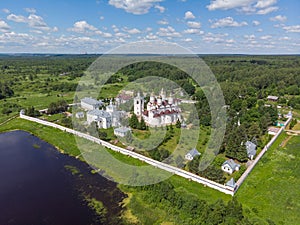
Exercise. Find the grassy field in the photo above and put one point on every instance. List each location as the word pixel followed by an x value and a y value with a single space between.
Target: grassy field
pixel 65 142
pixel 272 189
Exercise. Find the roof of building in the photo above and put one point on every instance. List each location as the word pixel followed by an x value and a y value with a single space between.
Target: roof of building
pixel 100 113
pixel 231 183
pixel 194 152
pixel 250 147
pixel 90 101
pixel 232 164
pixel 80 113
pixel 271 97
pixel 122 129
pixel 273 129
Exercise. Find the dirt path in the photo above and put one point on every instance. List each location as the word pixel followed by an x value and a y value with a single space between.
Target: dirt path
pixel 9 119
pixel 285 141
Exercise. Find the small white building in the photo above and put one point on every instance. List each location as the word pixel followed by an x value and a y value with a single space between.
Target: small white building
pixel 122 131
pixel 272 98
pixel 101 117
pixel 229 166
pixel 79 115
pixel 289 115
pixel 273 130
pixel 231 184
pixel 89 103
pixel 191 154
pixel 251 149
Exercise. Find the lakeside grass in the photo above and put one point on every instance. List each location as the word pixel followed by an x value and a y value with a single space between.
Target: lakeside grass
pixel 271 191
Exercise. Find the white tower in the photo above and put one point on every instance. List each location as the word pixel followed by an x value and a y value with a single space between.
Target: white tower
pixel 163 94
pixel 138 104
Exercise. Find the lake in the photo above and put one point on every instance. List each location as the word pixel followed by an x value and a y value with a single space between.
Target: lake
pixel 39 185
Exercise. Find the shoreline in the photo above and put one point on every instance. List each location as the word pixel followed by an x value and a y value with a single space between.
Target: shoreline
pixel 80 159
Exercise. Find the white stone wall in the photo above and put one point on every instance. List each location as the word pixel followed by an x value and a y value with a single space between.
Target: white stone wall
pixel 163 166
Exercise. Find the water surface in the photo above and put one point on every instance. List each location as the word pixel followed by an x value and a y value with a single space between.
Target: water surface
pixel 36 187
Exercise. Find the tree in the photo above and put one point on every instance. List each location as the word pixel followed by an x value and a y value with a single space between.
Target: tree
pixel 235 147
pixel 102 135
pixel 142 124
pixel 293 123
pixel 30 111
pixel 133 121
pixel 189 88
pixel 254 131
pixel 178 124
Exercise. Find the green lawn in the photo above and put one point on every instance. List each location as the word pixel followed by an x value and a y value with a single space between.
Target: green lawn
pixel 272 189
pixel 62 140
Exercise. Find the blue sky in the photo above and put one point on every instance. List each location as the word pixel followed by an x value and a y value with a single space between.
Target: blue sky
pixel 203 26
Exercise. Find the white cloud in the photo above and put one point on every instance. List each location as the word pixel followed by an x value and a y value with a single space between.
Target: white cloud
pixel 284 39
pixel 279 18
pixel 115 28
pixel 122 35
pixel 19 38
pixel 266 37
pixel 82 27
pixel 163 22
pixel 30 10
pixel 137 7
pixel 4 26
pixel 134 31
pixel 189 15
pixel 37 22
pixel 6 11
pixel 260 30
pixel 217 38
pixel 250 37
pixel 228 4
pixel 193 31
pixel 187 40
pixel 267 10
pixel 168 32
pixel 292 29
pixel 246 6
pixel 17 18
pixel 230 41
pixel 34 21
pixel 264 3
pixel 160 8
pixel 194 24
pixel 255 22
pixel 101 18
pixel 151 36
pixel 227 22
pixel 105 34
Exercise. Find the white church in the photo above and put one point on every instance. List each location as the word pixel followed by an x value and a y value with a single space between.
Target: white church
pixel 110 117
pixel 160 111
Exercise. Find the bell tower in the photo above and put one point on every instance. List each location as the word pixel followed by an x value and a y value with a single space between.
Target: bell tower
pixel 138 104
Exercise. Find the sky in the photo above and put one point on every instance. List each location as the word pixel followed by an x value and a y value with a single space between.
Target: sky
pixel 202 26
